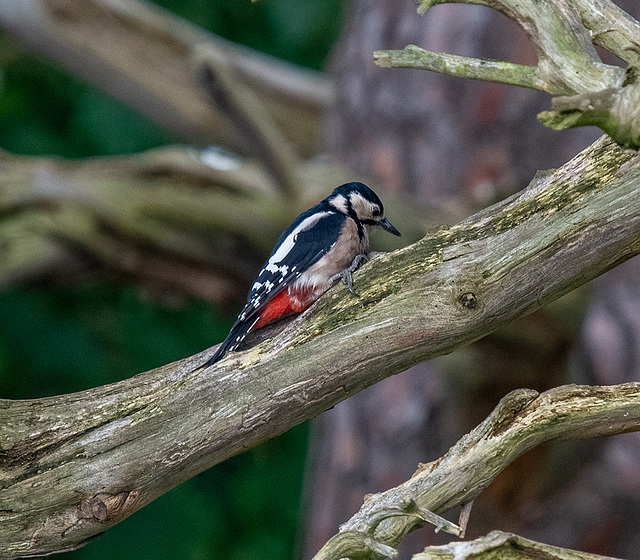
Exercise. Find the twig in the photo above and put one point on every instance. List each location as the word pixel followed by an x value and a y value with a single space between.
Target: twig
pixel 463 520
pixel 502 545
pixel 472 68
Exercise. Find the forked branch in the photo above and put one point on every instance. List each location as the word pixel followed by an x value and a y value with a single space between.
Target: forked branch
pixel 563 33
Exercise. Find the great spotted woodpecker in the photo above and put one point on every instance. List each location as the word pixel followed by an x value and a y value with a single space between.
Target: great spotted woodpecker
pixel 323 244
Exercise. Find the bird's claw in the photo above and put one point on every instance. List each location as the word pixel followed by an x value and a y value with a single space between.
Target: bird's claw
pixel 346 275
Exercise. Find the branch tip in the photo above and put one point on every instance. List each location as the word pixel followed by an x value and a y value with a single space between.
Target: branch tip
pixel 382 59
pixel 424 5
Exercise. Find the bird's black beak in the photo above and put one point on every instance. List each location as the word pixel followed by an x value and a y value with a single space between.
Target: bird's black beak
pixel 386 225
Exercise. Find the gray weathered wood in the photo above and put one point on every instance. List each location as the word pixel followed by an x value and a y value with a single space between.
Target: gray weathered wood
pixel 505 546
pixel 563 33
pixel 521 421
pixel 73 465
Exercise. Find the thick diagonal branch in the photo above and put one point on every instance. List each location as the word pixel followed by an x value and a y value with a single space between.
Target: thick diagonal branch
pixel 72 466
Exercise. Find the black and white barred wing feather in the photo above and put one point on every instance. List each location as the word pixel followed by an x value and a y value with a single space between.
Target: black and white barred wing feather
pixel 302 244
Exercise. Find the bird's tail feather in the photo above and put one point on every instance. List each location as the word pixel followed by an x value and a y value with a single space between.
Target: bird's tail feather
pixel 234 338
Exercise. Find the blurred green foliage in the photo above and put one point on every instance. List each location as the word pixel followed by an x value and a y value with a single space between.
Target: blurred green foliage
pixel 65 339
pixel 300 31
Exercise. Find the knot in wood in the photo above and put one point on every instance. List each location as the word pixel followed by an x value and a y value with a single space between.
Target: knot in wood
pixel 104 505
pixel 468 300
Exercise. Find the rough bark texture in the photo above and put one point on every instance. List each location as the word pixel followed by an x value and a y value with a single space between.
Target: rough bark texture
pixel 501 545
pixel 76 464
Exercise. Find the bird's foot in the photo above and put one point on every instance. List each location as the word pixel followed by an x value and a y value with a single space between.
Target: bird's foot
pixel 346 274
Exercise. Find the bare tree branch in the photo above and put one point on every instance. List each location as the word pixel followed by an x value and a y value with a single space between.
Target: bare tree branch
pixel 176 220
pixel 522 420
pixel 498 544
pixel 567 61
pixel 73 465
pixel 563 33
pixel 611 28
pixel 163 217
pixel 141 54
pixel 413 56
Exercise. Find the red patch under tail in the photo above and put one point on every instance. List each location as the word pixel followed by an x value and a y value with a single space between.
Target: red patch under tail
pixel 287 302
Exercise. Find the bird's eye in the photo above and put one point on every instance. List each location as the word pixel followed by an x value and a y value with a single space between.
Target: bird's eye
pixel 376 212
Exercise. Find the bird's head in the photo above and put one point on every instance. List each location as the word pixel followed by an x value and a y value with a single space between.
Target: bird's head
pixel 362 204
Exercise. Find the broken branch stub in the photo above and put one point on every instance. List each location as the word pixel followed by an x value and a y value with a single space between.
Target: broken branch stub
pixel 563 33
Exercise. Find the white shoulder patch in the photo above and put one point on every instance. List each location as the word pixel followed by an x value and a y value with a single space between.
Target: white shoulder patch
pixel 290 241
pixel 339 202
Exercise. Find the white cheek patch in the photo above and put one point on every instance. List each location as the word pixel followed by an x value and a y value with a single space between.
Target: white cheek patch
pixel 364 209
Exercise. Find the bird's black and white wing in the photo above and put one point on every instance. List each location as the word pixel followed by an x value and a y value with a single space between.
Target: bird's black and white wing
pixel 304 242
